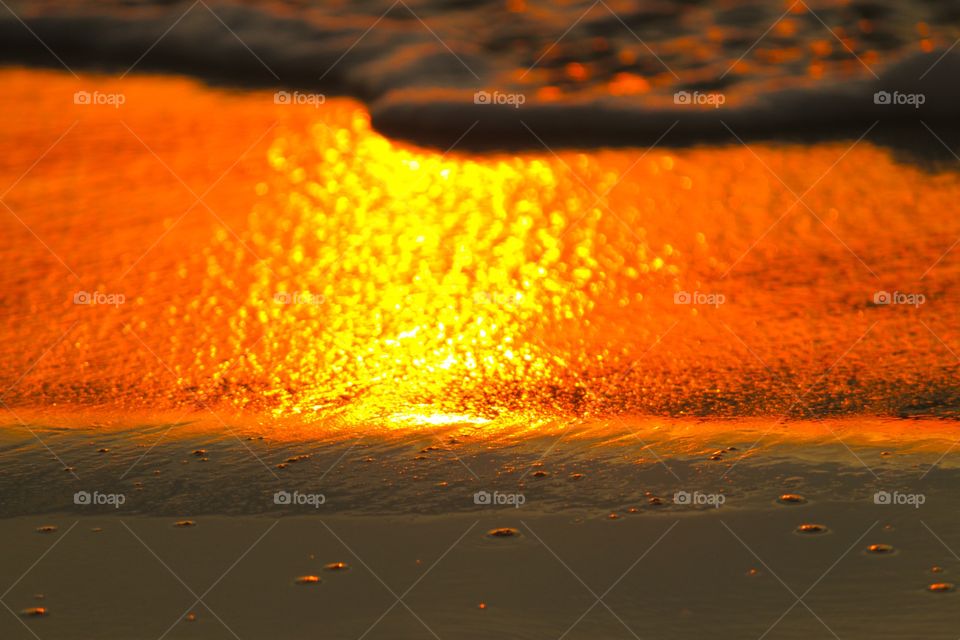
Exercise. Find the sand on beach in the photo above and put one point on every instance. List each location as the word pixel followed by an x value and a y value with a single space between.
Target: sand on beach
pixel 311 309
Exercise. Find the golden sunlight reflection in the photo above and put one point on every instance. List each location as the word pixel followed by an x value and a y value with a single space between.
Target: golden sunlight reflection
pixel 329 271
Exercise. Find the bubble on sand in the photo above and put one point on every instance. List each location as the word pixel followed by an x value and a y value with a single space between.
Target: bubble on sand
pixel 200 453
pixel 880 548
pixel 482 605
pixel 540 473
pixel 307 579
pixel 936 569
pixel 811 528
pixel 185 523
pixel 191 617
pixel 791 498
pixel 47 528
pixel 655 501
pixel 941 587
pixel 336 566
pixel 103 450
pixel 612 516
pixel 503 532
pixel 576 476
pixel 34 612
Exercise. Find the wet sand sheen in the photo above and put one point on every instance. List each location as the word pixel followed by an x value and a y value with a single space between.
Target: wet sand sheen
pixel 332 271
pixel 681 589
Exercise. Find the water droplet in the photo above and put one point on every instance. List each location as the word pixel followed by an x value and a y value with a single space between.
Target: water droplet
pixel 811 528
pixel 612 516
pixel 47 528
pixel 34 612
pixel 336 566
pixel 791 498
pixel 191 616
pixel 503 532
pixel 307 579
pixel 936 569
pixel 482 605
pixel 940 587
pixel 104 450
pixel 753 572
pixel 184 523
pixel 880 548
pixel 576 476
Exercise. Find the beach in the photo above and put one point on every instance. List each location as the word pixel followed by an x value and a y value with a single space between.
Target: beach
pixel 365 355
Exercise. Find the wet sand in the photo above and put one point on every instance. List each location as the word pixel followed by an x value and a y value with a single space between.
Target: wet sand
pixel 672 573
pixel 530 345
pixel 599 516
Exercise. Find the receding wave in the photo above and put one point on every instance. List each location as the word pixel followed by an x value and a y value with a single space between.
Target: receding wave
pixel 430 71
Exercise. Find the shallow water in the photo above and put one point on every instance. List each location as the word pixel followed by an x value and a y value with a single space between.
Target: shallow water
pixel 328 271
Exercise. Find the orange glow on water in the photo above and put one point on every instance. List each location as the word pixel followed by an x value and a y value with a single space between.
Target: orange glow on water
pixel 331 270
